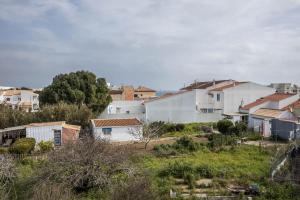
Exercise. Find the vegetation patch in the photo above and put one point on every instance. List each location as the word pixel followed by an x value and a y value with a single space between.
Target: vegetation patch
pixel 22 146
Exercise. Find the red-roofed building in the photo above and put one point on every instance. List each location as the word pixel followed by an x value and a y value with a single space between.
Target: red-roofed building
pixel 262 111
pixel 115 130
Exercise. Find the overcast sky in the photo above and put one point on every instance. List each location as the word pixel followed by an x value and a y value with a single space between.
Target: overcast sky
pixel 163 44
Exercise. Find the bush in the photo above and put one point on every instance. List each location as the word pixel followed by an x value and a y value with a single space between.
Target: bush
pixel 224 126
pixel 183 145
pixel 206 129
pixel 46 146
pixel 217 140
pixel 190 179
pixel 239 128
pixel 22 146
pixel 164 150
pixel 3 150
pixel 186 143
pixel 177 169
pixel 205 171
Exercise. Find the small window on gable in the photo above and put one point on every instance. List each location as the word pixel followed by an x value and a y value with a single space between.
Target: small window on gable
pixel 218 97
pixel 106 131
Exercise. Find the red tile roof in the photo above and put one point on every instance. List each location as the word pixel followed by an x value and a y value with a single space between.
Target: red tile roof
pixel 116 122
pixel 272 97
pixel 227 86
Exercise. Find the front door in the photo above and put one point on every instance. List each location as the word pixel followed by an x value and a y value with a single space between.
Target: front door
pixel 57 137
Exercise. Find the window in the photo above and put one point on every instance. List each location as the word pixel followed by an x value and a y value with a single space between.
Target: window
pixel 106 131
pixel 210 110
pixel 57 137
pixel 118 110
pixel 204 110
pixel 19 99
pixel 7 99
pixel 218 97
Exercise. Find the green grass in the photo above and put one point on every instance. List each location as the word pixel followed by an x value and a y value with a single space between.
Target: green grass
pixel 189 130
pixel 242 162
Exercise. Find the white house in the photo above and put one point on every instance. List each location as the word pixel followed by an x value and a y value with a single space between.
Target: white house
pixel 25 100
pixel 205 101
pixel 58 132
pixel 263 110
pixel 115 130
pixel 124 109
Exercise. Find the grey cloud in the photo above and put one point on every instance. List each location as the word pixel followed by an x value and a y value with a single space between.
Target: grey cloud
pixel 160 43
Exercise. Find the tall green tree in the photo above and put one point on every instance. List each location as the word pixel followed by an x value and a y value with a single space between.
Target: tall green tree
pixel 81 87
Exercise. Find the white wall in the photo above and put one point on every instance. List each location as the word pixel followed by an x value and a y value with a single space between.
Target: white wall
pixel 136 110
pixel 182 108
pixel 118 134
pixel 247 92
pixel 45 133
pixel 288 101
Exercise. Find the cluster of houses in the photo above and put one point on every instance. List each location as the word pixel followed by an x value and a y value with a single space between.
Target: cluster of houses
pixel 21 99
pixel 268 110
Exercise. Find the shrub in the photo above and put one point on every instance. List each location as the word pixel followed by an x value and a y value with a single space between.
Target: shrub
pixel 183 145
pixel 177 169
pixel 189 179
pixel 3 150
pixel 218 140
pixel 224 126
pixel 205 171
pixel 186 143
pixel 206 129
pixel 46 146
pixel 22 146
pixel 239 128
pixel 253 136
pixel 164 150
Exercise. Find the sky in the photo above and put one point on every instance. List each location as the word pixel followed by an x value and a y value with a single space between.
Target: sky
pixel 162 44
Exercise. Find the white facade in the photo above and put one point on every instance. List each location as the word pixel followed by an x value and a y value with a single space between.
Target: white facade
pixel 118 133
pixel 263 125
pixel 25 99
pixel 204 105
pixel 124 109
pixel 42 133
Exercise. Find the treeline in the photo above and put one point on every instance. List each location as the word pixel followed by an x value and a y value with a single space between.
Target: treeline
pixel 73 114
pixel 75 98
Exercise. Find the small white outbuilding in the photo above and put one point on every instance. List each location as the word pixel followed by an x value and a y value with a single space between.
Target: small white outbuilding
pixel 58 132
pixel 115 130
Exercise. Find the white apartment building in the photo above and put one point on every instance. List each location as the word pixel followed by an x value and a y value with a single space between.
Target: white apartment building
pixel 25 100
pixel 205 101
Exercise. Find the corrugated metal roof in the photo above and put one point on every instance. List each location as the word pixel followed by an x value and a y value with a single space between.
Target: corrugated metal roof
pixel 268 113
pixel 59 123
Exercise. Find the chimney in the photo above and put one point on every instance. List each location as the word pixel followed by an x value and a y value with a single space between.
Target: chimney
pixel 214 82
pixel 128 93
